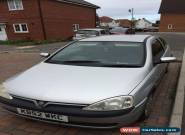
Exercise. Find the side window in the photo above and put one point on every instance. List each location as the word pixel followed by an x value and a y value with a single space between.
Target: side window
pixel 157 51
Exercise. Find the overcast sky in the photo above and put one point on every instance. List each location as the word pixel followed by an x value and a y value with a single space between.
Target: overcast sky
pixel 119 8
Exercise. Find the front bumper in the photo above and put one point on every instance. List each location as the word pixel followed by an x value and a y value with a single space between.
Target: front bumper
pixel 77 116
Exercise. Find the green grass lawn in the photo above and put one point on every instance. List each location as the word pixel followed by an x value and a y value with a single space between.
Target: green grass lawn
pixel 28 42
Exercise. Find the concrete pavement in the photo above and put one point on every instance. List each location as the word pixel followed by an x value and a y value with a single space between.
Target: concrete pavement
pixel 177 113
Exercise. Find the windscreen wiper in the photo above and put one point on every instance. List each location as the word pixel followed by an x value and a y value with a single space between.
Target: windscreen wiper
pixel 121 65
pixel 74 62
pixel 80 61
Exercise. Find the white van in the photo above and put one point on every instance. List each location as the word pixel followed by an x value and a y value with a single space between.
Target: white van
pixel 85 33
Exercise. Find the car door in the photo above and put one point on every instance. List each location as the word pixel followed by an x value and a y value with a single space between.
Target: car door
pixel 157 52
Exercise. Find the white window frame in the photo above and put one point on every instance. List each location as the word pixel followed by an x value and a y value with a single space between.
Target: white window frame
pixel 170 26
pixel 20 26
pixel 10 9
pixel 76 27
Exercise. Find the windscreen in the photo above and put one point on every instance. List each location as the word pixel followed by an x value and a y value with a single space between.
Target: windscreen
pixel 115 54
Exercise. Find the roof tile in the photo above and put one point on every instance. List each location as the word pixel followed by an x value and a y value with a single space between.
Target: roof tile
pixel 80 2
pixel 172 6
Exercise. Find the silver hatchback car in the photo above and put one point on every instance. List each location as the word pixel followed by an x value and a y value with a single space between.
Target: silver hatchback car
pixel 100 82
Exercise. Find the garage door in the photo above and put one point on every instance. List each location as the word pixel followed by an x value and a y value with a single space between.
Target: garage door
pixel 3 35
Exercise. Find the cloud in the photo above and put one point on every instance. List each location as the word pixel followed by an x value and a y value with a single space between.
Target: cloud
pixel 119 8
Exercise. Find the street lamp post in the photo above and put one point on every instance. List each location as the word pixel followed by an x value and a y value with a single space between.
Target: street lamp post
pixel 132 19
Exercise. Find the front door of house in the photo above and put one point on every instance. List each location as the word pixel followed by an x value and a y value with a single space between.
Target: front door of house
pixel 3 35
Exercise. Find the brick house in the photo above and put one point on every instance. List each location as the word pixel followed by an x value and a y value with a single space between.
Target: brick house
pixel 124 23
pixel 172 16
pixel 106 21
pixel 44 19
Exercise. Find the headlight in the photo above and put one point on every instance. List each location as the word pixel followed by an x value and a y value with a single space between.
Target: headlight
pixel 4 93
pixel 112 104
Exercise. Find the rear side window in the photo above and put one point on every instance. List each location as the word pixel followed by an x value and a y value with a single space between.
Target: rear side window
pixel 157 50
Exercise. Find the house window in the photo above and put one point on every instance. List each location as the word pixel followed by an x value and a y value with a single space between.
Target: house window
pixel 20 28
pixel 15 5
pixel 76 27
pixel 170 26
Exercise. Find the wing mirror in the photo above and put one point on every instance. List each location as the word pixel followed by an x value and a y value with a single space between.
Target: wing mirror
pixel 168 59
pixel 45 55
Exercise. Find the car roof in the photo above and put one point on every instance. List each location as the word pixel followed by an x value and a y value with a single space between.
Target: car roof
pixel 126 38
pixel 96 29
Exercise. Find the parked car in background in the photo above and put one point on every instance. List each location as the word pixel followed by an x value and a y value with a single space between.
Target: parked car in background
pixel 121 30
pixel 86 33
pixel 151 29
pixel 100 82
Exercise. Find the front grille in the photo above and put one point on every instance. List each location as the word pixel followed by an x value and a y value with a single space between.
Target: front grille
pixel 46 104
pixel 75 110
pixel 23 102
